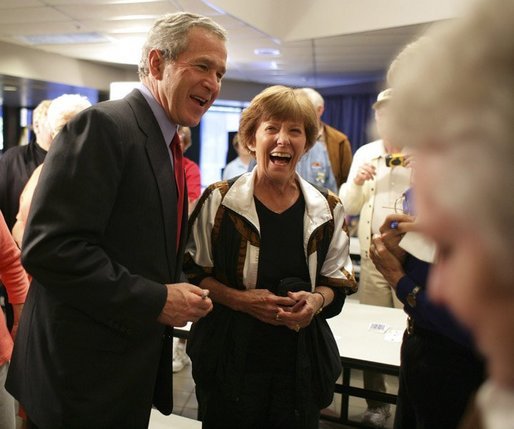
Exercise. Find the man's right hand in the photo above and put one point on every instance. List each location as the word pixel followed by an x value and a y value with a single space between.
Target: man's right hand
pixel 185 303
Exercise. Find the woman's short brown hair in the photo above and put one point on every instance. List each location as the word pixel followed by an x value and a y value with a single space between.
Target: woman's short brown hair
pixel 280 103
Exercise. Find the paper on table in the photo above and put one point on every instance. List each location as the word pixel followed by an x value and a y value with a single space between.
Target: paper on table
pixel 394 335
pixel 378 327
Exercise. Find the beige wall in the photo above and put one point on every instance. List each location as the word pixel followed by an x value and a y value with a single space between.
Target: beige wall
pixel 27 63
pixel 30 63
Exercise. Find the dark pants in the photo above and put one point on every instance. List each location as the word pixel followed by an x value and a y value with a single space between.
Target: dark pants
pixel 265 401
pixel 437 379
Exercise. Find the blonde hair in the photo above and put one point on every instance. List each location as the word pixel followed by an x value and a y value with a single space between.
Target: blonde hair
pixel 40 112
pixel 455 93
pixel 63 108
pixel 280 103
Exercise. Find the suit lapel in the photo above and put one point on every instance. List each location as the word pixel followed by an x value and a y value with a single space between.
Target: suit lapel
pixel 159 160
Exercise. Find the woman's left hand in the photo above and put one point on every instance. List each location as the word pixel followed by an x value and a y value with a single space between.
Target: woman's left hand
pixel 300 315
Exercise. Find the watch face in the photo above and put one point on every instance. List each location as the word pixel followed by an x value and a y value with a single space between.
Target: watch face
pixel 411 299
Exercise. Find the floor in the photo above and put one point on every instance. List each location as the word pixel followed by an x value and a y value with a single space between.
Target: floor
pixel 185 403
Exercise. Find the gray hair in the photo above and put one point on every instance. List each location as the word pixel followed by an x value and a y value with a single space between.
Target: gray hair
pixel 63 108
pixel 169 34
pixel 315 97
pixel 455 93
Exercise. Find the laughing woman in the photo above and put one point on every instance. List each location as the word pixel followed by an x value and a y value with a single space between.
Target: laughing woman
pixel 273 252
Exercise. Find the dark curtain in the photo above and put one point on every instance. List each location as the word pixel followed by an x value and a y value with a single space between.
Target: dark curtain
pixel 350 113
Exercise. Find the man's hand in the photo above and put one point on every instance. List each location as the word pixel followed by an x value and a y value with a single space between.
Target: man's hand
pixel 185 303
pixel 385 262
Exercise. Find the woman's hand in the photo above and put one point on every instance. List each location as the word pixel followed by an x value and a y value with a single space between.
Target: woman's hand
pixel 265 305
pixel 301 313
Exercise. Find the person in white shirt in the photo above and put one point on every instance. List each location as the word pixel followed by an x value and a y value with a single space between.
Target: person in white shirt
pixel 238 165
pixel 374 184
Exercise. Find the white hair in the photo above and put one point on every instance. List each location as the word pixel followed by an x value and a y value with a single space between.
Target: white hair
pixel 40 112
pixel 455 92
pixel 315 97
pixel 63 108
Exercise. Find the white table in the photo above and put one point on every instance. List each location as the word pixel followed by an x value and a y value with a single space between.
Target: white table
pixel 356 340
pixel 368 338
pixel 160 421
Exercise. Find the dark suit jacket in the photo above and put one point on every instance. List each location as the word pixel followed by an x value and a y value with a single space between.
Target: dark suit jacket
pixel 100 243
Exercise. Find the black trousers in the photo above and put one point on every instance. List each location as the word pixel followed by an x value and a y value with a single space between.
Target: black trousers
pixel 266 401
pixel 437 379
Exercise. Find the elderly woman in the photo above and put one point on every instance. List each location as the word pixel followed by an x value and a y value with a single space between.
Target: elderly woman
pixel 273 252
pixel 454 101
pixel 60 111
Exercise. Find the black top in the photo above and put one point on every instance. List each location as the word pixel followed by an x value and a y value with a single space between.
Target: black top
pixel 273 348
pixel 16 167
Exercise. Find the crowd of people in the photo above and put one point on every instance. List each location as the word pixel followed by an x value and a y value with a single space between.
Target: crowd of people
pixel 105 217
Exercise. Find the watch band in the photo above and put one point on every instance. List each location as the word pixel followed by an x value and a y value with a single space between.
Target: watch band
pixel 412 296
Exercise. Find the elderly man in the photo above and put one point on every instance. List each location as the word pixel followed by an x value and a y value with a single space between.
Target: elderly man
pixel 104 243
pixel 334 143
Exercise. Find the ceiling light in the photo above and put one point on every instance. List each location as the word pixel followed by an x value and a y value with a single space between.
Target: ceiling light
pixel 65 39
pixel 10 88
pixel 267 52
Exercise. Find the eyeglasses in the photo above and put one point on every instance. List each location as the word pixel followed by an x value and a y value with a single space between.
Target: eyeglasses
pixel 404 203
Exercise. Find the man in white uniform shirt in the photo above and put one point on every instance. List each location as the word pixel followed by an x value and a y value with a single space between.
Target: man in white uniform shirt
pixel 373 187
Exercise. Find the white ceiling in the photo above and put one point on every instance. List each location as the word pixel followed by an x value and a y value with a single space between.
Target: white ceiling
pixel 322 43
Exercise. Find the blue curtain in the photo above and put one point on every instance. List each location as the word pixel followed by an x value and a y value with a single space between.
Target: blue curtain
pixel 350 113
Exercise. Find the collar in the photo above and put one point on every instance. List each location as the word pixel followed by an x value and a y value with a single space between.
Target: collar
pixel 239 198
pixel 167 127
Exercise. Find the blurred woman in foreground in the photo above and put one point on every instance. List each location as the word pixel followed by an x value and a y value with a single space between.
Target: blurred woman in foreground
pixel 454 102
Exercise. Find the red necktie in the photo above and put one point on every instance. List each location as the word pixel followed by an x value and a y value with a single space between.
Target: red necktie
pixel 178 167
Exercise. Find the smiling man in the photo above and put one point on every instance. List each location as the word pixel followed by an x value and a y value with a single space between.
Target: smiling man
pixel 104 243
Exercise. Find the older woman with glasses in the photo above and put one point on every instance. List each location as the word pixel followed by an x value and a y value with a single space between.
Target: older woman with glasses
pixel 272 250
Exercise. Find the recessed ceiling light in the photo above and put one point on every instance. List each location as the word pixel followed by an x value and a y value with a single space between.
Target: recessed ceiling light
pixel 10 88
pixel 267 52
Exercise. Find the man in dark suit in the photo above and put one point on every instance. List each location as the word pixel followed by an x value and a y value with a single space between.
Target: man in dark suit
pixel 104 244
